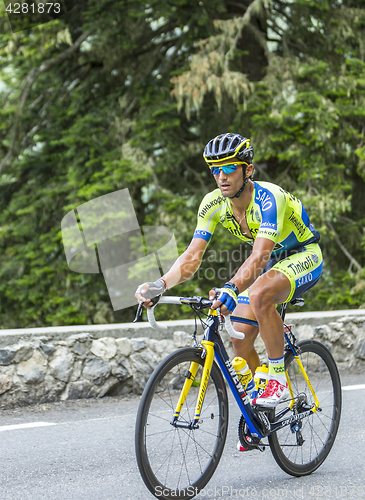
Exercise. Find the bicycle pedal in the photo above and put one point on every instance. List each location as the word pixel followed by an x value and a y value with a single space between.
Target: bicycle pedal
pixel 261 408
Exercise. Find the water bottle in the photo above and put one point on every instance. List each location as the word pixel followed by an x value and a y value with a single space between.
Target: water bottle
pixel 261 378
pixel 244 374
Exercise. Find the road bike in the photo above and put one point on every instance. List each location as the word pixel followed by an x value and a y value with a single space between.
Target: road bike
pixel 182 419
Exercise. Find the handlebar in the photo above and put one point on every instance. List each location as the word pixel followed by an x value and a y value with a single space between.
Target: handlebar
pixel 192 300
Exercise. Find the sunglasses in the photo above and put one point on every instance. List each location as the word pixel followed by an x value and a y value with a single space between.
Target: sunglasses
pixel 227 169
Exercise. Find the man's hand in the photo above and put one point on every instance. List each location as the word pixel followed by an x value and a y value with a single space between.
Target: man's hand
pixel 217 303
pixel 148 291
pixel 226 298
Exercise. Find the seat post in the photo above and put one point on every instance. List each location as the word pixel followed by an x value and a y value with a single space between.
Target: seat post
pixel 283 310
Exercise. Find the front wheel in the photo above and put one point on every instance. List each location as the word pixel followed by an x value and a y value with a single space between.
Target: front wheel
pixel 177 462
pixel 301 449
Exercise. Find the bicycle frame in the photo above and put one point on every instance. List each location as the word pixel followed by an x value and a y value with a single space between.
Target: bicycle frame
pixel 256 420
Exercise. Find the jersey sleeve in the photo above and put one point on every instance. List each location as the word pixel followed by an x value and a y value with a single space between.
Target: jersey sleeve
pixel 208 215
pixel 272 206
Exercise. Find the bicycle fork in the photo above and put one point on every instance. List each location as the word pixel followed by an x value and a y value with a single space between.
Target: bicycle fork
pixel 189 379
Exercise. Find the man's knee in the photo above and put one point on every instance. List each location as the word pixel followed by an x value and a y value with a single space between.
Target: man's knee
pixel 260 297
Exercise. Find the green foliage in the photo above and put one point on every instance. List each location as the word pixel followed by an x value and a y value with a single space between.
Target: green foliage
pixel 306 121
pixel 132 106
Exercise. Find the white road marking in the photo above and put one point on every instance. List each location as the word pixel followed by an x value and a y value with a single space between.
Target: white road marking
pixel 129 415
pixel 68 422
pixel 353 387
pixel 46 424
pixel 24 426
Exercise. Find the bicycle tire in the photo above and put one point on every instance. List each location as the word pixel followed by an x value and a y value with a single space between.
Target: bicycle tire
pixel 318 430
pixel 183 474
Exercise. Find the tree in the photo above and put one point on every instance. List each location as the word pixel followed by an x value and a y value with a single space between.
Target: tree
pixel 82 94
pixel 306 119
pixel 126 94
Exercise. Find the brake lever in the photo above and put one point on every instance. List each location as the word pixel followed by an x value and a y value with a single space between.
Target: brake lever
pixel 155 300
pixel 220 321
pixel 139 311
pixel 140 307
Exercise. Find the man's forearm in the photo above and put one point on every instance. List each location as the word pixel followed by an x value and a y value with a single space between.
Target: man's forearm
pixel 183 269
pixel 249 271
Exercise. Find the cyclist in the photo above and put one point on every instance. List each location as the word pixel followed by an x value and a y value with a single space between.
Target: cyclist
pixel 285 261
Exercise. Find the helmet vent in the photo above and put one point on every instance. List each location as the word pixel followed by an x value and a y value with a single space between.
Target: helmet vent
pixel 227 146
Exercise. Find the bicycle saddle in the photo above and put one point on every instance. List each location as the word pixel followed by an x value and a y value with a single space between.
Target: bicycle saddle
pixel 297 302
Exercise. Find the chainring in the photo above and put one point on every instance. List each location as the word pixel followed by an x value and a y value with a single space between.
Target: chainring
pixel 249 442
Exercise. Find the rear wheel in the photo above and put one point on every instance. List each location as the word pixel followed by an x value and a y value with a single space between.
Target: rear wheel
pixel 301 449
pixel 177 462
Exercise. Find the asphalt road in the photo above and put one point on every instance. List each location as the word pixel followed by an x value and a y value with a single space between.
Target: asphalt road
pixel 85 450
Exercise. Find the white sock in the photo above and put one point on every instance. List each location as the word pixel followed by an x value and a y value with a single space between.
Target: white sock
pixel 277 370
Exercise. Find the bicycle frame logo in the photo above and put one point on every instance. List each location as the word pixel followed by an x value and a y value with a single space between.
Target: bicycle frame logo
pixel 235 378
pixel 103 235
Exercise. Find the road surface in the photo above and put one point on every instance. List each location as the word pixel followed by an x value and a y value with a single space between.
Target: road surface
pixel 84 450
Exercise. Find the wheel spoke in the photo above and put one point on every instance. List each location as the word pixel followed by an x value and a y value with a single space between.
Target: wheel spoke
pixel 179 457
pixel 319 429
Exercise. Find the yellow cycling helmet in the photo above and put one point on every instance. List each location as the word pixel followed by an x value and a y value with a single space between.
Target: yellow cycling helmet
pixel 227 146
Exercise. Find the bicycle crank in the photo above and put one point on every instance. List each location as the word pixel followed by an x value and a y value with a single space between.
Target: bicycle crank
pixel 247 440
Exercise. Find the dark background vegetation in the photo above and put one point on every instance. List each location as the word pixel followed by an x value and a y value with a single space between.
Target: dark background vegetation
pixel 124 94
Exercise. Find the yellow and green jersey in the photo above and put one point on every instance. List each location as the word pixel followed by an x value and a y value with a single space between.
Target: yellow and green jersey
pixel 272 213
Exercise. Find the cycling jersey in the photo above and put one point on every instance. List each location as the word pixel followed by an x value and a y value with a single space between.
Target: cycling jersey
pixel 273 213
